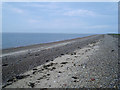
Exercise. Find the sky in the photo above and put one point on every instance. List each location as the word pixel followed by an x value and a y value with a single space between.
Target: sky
pixel 60 17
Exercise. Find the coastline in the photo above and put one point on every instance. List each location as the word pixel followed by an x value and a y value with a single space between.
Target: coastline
pixel 16 64
pixel 84 49
pixel 33 39
pixel 14 49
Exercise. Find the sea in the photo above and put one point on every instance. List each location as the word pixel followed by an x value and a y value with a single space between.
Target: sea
pixel 12 40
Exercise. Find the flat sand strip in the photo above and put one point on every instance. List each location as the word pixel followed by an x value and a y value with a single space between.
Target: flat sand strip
pixel 35 49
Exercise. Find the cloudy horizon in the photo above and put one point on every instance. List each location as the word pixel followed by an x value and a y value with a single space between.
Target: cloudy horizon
pixel 60 17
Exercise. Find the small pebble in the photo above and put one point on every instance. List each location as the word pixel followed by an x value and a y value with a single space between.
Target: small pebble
pixel 62 54
pixel 59 72
pixel 48 74
pixel 32 84
pixel 64 62
pixel 92 79
pixel 35 69
pixel 112 50
pixel 49 85
pixel 47 60
pixel 5 65
pixel 65 84
pixel 75 77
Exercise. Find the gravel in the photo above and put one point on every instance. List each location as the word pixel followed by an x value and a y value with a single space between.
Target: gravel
pixel 19 62
pixel 96 68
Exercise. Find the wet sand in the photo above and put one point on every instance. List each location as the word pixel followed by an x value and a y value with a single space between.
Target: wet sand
pixel 76 63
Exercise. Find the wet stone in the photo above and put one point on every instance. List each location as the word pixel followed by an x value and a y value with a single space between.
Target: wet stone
pixel 47 60
pixel 30 55
pixel 53 68
pixel 75 77
pixel 59 72
pixel 85 50
pixel 47 78
pixel 35 69
pixel 34 72
pixel 21 76
pixel 36 54
pixel 62 54
pixel 48 74
pixel 61 65
pixel 5 65
pixel 67 53
pixel 74 53
pixel 112 50
pixel 51 64
pixel 45 67
pixel 11 80
pixel 71 53
pixel 49 85
pixel 44 76
pixel 6 84
pixel 25 57
pixel 20 60
pixel 40 78
pixel 74 64
pixel 42 69
pixel 79 47
pixel 64 62
pixel 31 84
pixel 76 81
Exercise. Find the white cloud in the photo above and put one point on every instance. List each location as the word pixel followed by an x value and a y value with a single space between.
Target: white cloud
pixel 9 7
pixel 57 9
pixel 79 12
pixel 35 5
pixel 48 6
pixel 18 10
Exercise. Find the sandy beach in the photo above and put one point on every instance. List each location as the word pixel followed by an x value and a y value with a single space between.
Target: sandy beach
pixel 90 62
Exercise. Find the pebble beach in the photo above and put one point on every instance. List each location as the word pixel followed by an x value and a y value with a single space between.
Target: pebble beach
pixel 89 62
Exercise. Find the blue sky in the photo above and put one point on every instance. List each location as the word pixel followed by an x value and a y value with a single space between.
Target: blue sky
pixel 60 17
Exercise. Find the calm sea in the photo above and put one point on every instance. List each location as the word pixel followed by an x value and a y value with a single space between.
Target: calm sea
pixel 10 40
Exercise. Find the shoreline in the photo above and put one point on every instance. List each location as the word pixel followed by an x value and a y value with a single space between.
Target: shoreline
pixel 16 64
pixel 13 49
pixel 95 65
pixel 29 45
